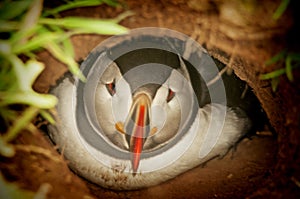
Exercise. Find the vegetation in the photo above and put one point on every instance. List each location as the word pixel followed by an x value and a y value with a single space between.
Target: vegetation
pixel 25 29
pixel 290 60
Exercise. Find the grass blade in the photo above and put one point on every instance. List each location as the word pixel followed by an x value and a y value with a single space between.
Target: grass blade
pixel 26 74
pixel 32 16
pixel 276 58
pixel 47 116
pixel 37 42
pixel 86 25
pixel 59 53
pixel 272 74
pixel 7 26
pixel 43 101
pixel 281 8
pixel 12 9
pixel 122 16
pixel 288 68
pixel 274 83
pixel 20 123
pixel 68 47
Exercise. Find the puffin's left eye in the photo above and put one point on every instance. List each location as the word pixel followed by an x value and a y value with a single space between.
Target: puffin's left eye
pixel 171 95
pixel 111 87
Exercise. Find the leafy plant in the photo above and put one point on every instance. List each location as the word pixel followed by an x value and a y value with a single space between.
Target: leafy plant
pixel 24 30
pixel 289 59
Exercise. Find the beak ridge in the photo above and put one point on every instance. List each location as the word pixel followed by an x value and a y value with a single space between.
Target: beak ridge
pixel 139 127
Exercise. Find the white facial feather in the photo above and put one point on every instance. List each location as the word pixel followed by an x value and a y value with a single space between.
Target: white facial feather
pixel 121 101
pixel 159 108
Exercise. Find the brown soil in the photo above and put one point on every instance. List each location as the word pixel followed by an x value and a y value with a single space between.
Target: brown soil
pixel 263 167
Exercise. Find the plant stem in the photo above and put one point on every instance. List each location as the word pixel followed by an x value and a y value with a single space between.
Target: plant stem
pixel 20 123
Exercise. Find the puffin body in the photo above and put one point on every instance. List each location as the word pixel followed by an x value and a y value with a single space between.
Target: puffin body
pixel 136 135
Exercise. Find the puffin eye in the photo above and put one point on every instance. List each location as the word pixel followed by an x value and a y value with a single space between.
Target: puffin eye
pixel 171 95
pixel 111 88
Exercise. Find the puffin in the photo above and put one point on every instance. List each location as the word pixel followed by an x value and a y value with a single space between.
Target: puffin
pixel 144 115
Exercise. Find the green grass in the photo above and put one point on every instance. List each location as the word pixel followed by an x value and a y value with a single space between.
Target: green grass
pixel 290 60
pixel 281 9
pixel 25 29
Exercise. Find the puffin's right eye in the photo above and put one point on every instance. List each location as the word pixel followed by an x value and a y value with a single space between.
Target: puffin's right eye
pixel 111 87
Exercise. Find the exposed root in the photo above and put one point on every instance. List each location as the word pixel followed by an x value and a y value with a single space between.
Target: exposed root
pixel 218 76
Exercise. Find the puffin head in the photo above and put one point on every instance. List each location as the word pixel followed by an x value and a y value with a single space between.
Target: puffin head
pixel 141 118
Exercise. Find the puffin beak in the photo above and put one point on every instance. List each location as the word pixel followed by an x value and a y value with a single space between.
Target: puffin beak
pixel 138 127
